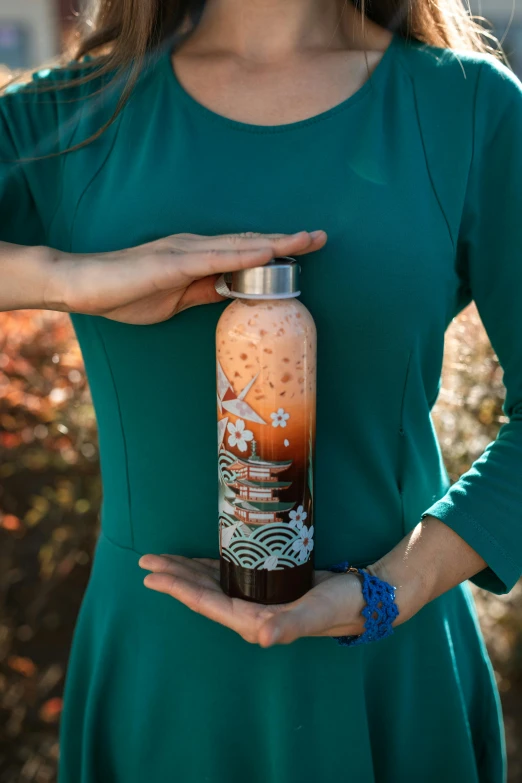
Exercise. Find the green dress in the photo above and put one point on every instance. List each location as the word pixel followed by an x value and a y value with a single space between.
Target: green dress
pixel 416 179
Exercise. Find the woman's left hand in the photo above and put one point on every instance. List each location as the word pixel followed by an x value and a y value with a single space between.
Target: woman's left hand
pixel 331 608
pixel 430 560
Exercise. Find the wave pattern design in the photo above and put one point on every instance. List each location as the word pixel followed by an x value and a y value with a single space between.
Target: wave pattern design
pixel 252 551
pixel 225 460
pixel 252 548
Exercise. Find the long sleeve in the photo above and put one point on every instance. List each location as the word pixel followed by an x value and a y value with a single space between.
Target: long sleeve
pixel 37 122
pixel 485 505
pixel 20 222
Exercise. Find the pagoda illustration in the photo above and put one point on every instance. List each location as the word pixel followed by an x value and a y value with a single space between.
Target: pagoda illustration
pixel 257 488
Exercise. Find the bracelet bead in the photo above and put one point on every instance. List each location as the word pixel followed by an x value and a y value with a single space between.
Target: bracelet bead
pixel 380 610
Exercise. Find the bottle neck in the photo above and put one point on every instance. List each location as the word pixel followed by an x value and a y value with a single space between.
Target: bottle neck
pixel 263 297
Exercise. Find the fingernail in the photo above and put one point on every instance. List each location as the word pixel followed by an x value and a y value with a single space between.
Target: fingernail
pixel 276 635
pixel 316 234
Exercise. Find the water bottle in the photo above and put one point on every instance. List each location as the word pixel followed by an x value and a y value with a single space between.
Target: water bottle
pixel 266 401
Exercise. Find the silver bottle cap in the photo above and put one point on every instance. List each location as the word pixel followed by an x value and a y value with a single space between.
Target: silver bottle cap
pixel 278 279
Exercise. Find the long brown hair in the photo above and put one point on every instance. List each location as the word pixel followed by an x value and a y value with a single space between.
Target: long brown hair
pixel 123 34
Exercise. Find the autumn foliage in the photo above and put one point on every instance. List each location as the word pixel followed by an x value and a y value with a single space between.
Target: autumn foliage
pixel 49 501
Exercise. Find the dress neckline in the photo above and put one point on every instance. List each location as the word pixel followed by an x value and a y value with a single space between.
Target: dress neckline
pixel 374 81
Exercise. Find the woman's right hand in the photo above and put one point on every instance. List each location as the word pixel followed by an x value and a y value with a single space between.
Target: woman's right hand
pixel 152 282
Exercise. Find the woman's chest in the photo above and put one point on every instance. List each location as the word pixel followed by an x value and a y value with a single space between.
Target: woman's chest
pixel 386 276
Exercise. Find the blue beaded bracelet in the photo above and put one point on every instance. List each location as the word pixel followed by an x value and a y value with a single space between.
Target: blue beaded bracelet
pixel 380 610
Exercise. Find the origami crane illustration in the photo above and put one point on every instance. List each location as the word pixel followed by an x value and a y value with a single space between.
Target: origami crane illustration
pixel 234 403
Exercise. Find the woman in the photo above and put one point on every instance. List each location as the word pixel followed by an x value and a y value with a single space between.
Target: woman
pixel 385 151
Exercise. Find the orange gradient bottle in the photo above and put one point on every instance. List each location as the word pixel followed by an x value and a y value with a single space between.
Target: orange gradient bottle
pixel 266 398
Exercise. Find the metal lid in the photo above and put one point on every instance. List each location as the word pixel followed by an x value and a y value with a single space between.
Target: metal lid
pixel 278 279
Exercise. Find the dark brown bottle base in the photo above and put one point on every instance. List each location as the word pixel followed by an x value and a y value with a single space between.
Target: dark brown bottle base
pixel 266 587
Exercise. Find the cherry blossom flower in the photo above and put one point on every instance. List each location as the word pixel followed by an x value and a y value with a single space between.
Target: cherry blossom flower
pixel 297 517
pixel 305 543
pixel 279 418
pixel 239 435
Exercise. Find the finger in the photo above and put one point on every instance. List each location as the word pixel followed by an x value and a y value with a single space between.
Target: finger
pixel 200 292
pixel 203 291
pixel 282 244
pixel 203 263
pixel 181 567
pixel 195 265
pixel 210 563
pixel 247 240
pixel 332 608
pixel 214 605
pixel 203 564
pixel 160 581
pixel 303 618
pixel 319 239
pixel 197 565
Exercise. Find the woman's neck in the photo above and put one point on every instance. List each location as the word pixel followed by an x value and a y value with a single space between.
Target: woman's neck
pixel 270 31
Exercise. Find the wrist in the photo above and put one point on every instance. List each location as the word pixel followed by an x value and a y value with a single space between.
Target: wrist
pixel 29 278
pixel 57 268
pixel 412 588
pixel 380 610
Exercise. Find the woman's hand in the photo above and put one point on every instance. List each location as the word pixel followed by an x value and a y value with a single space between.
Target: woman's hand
pixel 152 282
pixel 331 608
pixel 430 560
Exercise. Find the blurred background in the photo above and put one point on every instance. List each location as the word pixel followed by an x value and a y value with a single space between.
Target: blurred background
pixel 49 479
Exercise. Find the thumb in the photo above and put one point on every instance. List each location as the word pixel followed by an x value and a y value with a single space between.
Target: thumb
pixel 301 619
pixel 200 292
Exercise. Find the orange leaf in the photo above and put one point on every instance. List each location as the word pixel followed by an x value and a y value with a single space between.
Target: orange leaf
pixel 21 665
pixel 51 709
pixel 10 522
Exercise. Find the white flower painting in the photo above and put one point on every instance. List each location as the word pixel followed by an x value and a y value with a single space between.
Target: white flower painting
pixel 238 435
pixel 305 543
pixel 297 517
pixel 279 418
